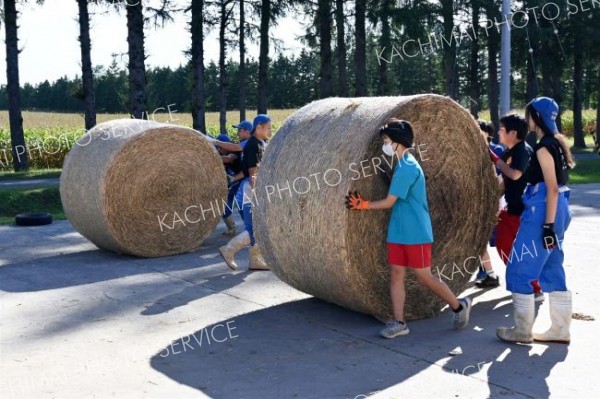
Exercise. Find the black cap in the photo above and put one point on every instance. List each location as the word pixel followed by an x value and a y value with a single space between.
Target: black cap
pixel 399 132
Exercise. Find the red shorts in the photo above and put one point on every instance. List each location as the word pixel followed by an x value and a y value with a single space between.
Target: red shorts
pixel 506 232
pixel 417 256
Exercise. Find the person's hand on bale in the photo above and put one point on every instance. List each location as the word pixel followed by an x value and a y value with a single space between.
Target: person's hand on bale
pixel 355 202
pixel 495 158
pixel 210 139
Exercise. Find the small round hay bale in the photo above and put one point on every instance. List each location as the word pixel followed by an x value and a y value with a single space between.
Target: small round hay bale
pixel 313 243
pixel 143 188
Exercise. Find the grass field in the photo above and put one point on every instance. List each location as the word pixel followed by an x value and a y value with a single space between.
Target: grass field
pixel 30 174
pixel 72 122
pixel 589 142
pixel 31 200
pixel 586 171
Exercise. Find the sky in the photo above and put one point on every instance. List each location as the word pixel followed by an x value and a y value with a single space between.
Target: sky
pixel 48 36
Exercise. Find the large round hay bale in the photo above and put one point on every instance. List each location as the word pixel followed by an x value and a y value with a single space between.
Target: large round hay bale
pixel 316 245
pixel 143 188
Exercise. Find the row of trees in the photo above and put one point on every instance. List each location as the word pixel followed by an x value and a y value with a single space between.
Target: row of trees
pixel 354 48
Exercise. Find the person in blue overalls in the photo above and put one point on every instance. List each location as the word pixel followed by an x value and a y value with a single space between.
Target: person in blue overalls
pixel 233 168
pixel 541 232
pixel 251 157
pixel 231 154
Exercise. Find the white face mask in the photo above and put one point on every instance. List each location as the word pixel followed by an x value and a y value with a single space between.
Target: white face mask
pixel 388 150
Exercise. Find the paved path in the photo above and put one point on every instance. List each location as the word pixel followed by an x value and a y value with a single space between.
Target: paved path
pixel 78 322
pixel 29 183
pixel 587 156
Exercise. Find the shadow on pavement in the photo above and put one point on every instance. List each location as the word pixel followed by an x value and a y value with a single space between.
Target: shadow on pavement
pixel 312 349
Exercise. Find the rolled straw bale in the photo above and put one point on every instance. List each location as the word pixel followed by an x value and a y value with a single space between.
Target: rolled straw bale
pixel 313 243
pixel 143 188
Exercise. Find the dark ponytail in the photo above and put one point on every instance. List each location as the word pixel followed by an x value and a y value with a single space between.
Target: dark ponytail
pixel 530 112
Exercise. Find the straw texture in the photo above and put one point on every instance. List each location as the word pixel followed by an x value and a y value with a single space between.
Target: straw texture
pixel 143 188
pixel 313 243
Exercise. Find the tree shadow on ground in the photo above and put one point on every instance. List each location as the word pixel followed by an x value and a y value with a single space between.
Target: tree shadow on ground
pixel 312 349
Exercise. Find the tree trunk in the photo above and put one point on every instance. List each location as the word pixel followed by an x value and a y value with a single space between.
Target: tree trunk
pixel 384 42
pixel 17 138
pixel 326 65
pixel 493 84
pixel 360 55
pixel 578 134
pixel 87 75
pixel 196 28
pixel 557 95
pixel 474 63
pixel 449 53
pixel 242 62
pixel 263 57
pixel 222 71
pixel 137 69
pixel 341 48
pixel 532 90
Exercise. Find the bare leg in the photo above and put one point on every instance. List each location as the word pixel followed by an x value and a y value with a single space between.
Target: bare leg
pixel 436 286
pixel 397 290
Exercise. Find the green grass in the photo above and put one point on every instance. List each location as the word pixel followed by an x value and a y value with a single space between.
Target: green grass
pixel 14 201
pixel 30 174
pixel 589 142
pixel 586 171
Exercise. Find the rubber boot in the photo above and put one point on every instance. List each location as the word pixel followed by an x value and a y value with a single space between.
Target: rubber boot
pixel 257 262
pixel 524 314
pixel 235 245
pixel 230 223
pixel 560 314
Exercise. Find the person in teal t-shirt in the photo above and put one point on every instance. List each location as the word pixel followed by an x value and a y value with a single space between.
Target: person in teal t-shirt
pixel 410 234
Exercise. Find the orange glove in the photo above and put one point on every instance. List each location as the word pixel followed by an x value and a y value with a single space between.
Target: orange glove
pixel 355 202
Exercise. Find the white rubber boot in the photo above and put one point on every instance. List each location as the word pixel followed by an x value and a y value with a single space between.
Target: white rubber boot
pixel 560 314
pixel 257 262
pixel 524 314
pixel 230 223
pixel 235 245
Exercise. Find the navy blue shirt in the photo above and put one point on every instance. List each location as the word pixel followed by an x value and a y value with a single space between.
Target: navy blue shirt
pixel 252 155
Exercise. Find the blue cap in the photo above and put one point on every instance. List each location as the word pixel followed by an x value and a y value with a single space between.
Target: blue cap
pixel 244 125
pixel 548 110
pixel 224 137
pixel 259 120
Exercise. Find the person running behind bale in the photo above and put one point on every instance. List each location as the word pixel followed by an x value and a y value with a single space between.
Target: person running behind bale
pixel 513 166
pixel 544 221
pixel 244 128
pixel 486 270
pixel 233 169
pixel 410 233
pixel 252 155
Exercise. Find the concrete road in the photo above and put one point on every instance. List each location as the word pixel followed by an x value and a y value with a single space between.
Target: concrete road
pixel 78 322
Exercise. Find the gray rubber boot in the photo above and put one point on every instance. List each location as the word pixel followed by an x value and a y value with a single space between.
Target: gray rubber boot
pixel 235 245
pixel 524 314
pixel 561 309
pixel 257 262
pixel 230 223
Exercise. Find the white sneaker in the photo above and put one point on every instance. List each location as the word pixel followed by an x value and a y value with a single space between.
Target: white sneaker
pixel 394 329
pixel 461 319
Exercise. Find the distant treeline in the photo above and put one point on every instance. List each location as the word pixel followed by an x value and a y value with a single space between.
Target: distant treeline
pixel 293 82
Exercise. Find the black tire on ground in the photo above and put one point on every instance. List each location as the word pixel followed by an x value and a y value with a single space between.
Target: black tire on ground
pixel 33 219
